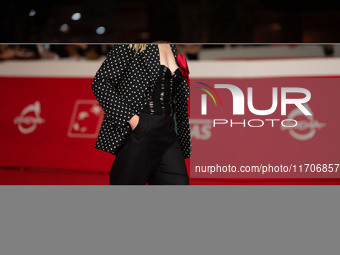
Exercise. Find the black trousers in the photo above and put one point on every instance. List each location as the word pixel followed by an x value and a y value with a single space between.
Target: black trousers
pixel 151 154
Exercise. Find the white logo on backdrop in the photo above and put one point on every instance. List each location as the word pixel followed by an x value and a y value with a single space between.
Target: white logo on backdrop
pixel 26 122
pixel 86 119
pixel 305 129
pixel 201 128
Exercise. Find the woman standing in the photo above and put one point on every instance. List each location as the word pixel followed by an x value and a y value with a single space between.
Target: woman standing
pixel 144 95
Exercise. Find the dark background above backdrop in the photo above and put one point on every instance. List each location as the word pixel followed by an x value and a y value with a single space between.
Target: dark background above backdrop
pixel 185 21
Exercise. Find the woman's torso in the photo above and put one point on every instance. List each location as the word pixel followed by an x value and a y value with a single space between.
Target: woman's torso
pixel 162 100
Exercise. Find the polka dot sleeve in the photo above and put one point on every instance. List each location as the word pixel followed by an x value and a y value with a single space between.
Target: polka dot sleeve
pixel 107 78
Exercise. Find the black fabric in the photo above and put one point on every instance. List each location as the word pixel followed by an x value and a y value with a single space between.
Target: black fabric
pixel 151 154
pixel 162 100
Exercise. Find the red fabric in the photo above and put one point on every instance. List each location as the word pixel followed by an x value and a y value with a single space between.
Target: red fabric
pixel 182 62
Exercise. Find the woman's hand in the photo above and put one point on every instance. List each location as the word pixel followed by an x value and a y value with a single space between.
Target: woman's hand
pixel 134 121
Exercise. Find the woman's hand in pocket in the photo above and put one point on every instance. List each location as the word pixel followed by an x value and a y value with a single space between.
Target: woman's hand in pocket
pixel 134 121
